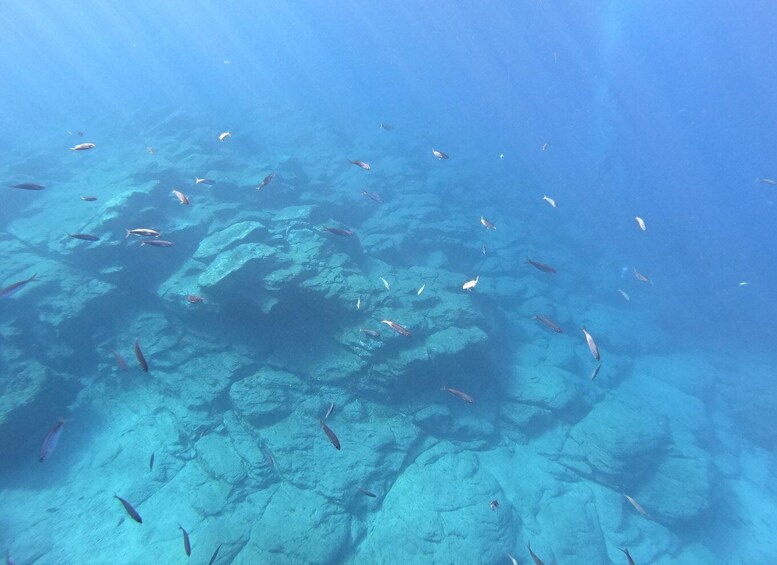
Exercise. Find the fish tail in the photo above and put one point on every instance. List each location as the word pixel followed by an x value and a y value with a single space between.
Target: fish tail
pixel 128 234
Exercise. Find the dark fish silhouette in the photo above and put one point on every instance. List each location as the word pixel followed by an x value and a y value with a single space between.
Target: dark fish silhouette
pixel 338 231
pixel 596 371
pixel 366 492
pixel 537 560
pixel 157 242
pixel 265 181
pixel 548 323
pixel 139 355
pixel 215 554
pixel 541 266
pixel 187 545
pixel 628 555
pixel 330 434
pixel 151 462
pixel 88 198
pixel 387 127
pixel 457 393
pixel 84 236
pixel 51 440
pixel 439 154
pixel 130 510
pixel 16 287
pixel 28 186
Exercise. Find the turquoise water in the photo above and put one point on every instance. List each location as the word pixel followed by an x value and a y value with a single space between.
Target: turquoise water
pixel 268 425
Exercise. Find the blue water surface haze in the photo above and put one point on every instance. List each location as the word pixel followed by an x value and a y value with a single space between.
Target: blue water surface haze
pixel 281 418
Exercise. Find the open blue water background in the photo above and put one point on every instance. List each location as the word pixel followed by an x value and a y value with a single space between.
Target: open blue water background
pixel 662 110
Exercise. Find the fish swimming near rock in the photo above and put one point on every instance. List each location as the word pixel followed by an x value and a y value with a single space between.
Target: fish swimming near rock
pixel 494 505
pixel 628 555
pixel 88 198
pixel 28 186
pixel 487 224
pixel 360 164
pixel 330 434
pixel 637 506
pixel 537 560
pixel 397 328
pixel 119 360
pixel 385 284
pixel 512 559
pixel 16 287
pixel 142 232
pixel 265 181
pixel 366 492
pixel 206 182
pixel 187 544
pixel 420 291
pixel 157 243
pixel 215 554
pixel 51 440
pixel 372 333
pixel 469 285
pixel 182 198
pixel 541 266
pixel 151 462
pixel 374 196
pixel 194 299
pixel 548 323
pixel 140 357
pixel 83 147
pixel 84 236
pixel 596 371
pixel 358 302
pixel 129 508
pixel 338 231
pixel 439 154
pixel 459 394
pixel 591 344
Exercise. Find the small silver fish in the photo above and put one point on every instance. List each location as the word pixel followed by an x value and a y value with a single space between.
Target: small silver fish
pixel 385 283
pixel 51 440
pixel 591 344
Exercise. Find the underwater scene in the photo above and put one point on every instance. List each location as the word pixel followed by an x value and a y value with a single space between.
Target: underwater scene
pixel 361 282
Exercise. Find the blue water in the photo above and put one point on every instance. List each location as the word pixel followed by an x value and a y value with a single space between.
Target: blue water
pixel 614 110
